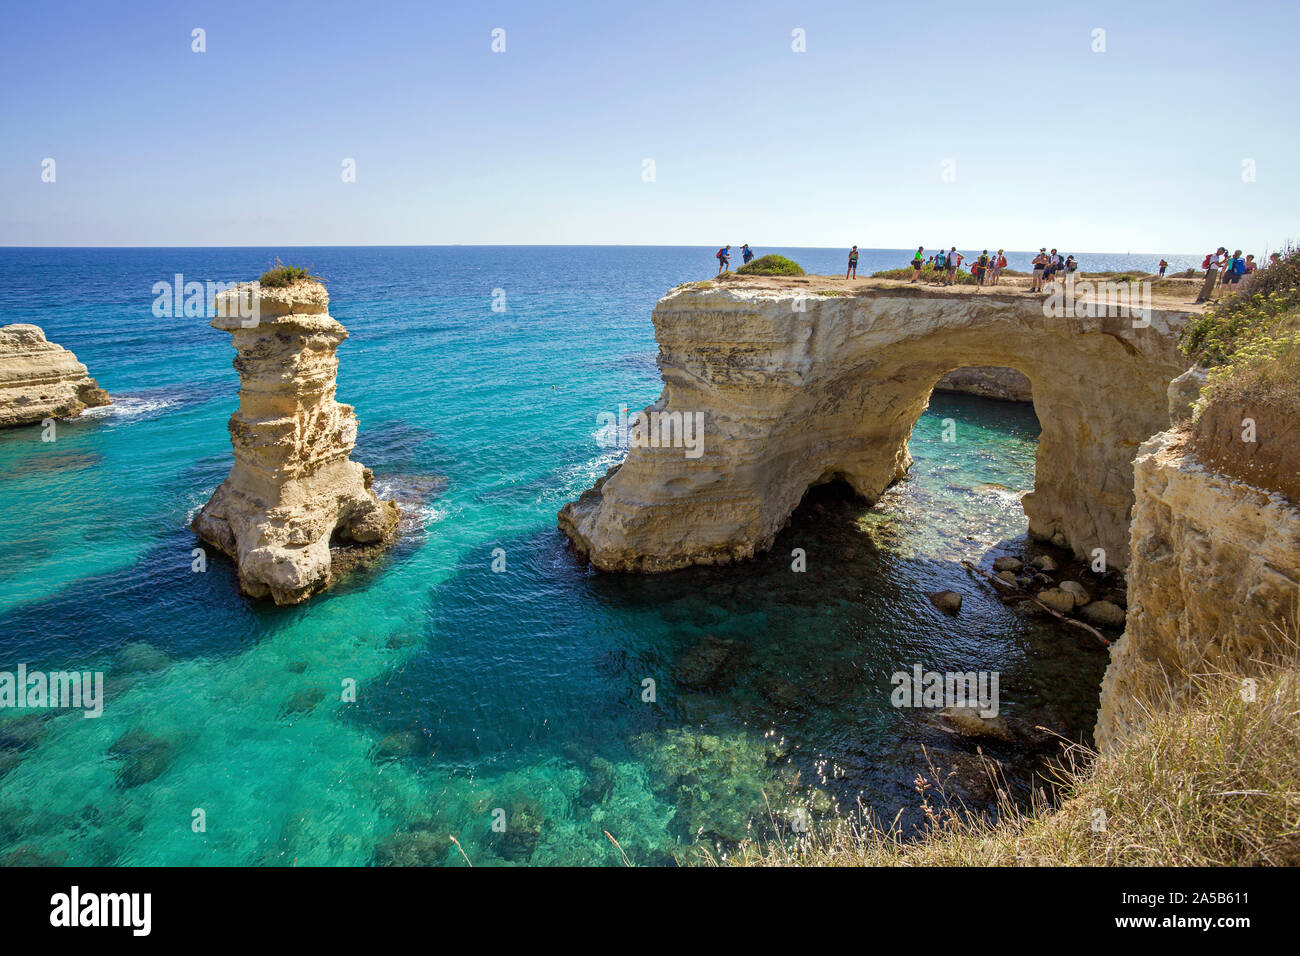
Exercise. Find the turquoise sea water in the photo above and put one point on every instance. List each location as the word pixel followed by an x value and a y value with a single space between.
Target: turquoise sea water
pixel 477 691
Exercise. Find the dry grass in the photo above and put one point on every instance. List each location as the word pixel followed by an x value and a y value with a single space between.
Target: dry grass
pixel 1213 779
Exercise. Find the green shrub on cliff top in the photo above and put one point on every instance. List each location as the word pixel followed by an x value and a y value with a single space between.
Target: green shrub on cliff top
pixel 771 265
pixel 280 275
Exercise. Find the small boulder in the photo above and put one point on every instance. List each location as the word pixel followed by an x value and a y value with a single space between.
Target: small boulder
pixel 1057 600
pixel 1008 576
pixel 1104 614
pixel 968 722
pixel 1081 595
pixel 948 601
pixel 1045 562
pixel 1007 563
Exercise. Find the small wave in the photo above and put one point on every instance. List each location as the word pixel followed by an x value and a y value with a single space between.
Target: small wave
pixel 129 408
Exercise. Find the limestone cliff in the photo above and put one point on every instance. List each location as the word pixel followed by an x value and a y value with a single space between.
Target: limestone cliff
pixel 797 388
pixel 1004 384
pixel 293 488
pixel 39 379
pixel 1215 571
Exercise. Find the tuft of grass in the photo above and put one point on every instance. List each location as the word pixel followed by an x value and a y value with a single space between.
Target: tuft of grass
pixel 928 274
pixel 1210 780
pixel 280 276
pixel 771 265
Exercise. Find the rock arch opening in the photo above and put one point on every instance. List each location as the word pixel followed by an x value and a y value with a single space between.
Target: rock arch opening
pixel 797 389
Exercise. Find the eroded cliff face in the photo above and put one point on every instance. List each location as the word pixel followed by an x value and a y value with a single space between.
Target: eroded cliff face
pixel 797 389
pixel 293 489
pixel 1215 572
pixel 40 380
pixel 1004 384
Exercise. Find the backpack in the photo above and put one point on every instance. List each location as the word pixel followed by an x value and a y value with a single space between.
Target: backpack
pixel 721 253
pixel 1239 266
pixel 1206 263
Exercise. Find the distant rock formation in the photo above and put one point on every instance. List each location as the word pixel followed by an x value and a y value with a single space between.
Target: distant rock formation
pixel 1004 384
pixel 40 380
pixel 293 489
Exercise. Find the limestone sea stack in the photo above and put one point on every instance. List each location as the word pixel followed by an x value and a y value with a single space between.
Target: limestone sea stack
pixel 293 490
pixel 40 380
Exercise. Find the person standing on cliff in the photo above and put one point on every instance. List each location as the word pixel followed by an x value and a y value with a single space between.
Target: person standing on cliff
pixel 853 264
pixel 724 259
pixel 980 268
pixel 954 260
pixel 1040 266
pixel 1163 266
pixel 999 264
pixel 746 253
pixel 917 261
pixel 1212 263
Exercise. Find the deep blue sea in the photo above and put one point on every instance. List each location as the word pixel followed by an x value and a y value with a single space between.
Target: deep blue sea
pixel 481 696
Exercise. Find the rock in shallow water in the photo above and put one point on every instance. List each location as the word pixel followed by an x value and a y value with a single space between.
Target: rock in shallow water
pixel 947 601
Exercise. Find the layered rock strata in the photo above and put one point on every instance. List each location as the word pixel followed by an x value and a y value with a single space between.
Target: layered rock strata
pixel 293 489
pixel 1213 584
pixel 797 389
pixel 40 380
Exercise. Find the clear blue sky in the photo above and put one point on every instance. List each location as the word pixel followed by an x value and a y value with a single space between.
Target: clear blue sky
pixel 1139 148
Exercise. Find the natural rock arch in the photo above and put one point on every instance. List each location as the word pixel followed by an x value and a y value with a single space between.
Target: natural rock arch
pixel 796 389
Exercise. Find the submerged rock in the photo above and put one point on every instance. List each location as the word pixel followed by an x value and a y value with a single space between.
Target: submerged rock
pixel 40 380
pixel 145 757
pixel 709 665
pixel 293 489
pixel 141 657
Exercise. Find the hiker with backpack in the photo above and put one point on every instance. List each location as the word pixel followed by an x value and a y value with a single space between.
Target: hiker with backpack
pixel 853 264
pixel 724 259
pixel 954 262
pixel 1163 266
pixel 1211 266
pixel 980 268
pixel 746 253
pixel 999 263
pixel 917 260
pixel 1234 272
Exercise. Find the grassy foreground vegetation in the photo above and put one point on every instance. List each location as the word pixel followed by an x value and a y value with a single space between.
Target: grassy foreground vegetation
pixel 1211 780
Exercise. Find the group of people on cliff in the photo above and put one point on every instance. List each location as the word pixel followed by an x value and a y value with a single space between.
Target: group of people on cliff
pixel 723 255
pixel 1223 272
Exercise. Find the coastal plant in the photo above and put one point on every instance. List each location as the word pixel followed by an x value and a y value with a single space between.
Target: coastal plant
pixel 280 276
pixel 928 274
pixel 771 265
